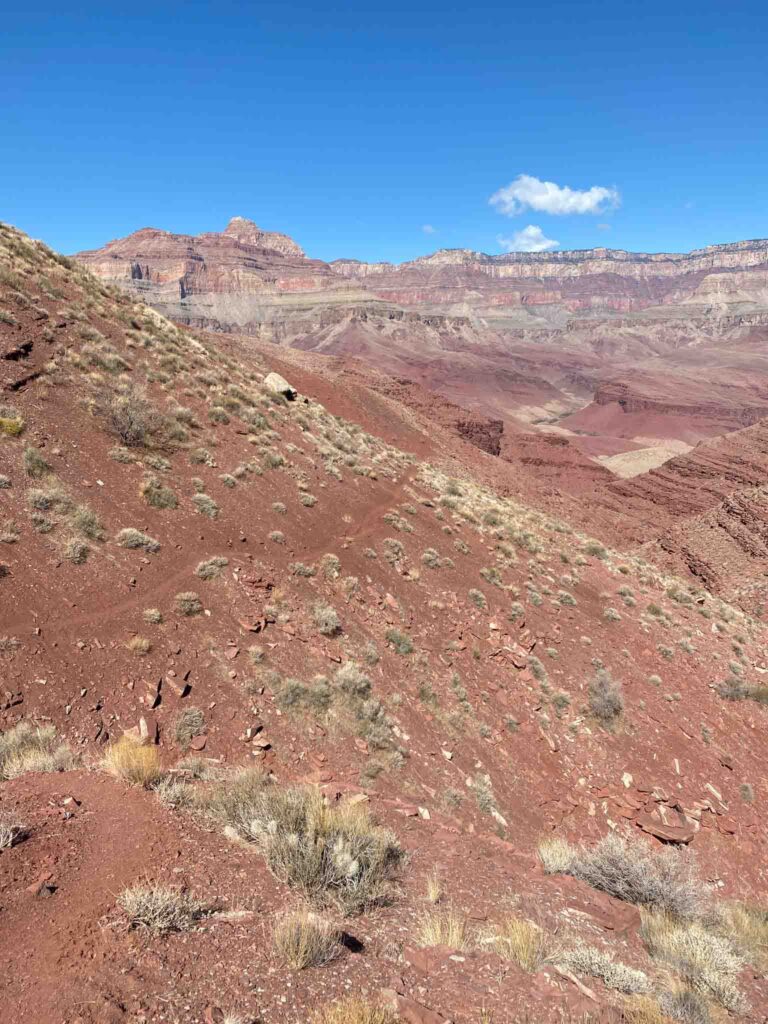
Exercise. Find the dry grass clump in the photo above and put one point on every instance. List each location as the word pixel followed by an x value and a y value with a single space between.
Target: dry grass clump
pixel 135 764
pixel 303 939
pixel 444 928
pixel 524 942
pixel 189 723
pixel 709 963
pixel 139 645
pixel 556 855
pixel 188 603
pixel 11 423
pixel 747 927
pixel 25 748
pixel 211 567
pixel 135 539
pixel 326 619
pixel 606 700
pixel 153 616
pixel 35 466
pixel 160 908
pixel 352 1010
pixel 630 871
pixel 334 855
pixel 12 831
pixel 685 1005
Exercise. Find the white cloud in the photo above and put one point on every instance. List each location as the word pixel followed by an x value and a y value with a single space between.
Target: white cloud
pixel 428 229
pixel 530 239
pixel 527 192
pixel 603 227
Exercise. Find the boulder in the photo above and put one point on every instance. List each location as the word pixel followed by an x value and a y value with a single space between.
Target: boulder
pixel 280 386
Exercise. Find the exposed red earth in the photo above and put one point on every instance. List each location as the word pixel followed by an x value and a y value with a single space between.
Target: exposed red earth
pixel 482 575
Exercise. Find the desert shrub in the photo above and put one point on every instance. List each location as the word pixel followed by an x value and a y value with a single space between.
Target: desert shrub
pixel 24 748
pixel 308 500
pixel 524 942
pixel 279 507
pixel 205 505
pixel 133 763
pixel 139 645
pixel 122 455
pixel 188 603
pixel 85 521
pixel 302 939
pixel 401 642
pixel 685 1005
pixel 132 538
pixel 12 831
pixel 597 964
pixel 189 722
pixel 76 551
pixel 153 616
pixel 277 537
pixel 300 569
pixel 133 421
pixel 201 457
pixel 11 423
pixel 444 928
pixel 352 1010
pixel 596 549
pixel 228 480
pixel 331 566
pixel 156 494
pixel 606 700
pixel 477 597
pixel 611 615
pixel 160 908
pixel 326 619
pixel 708 962
pixel 333 855
pixel 296 696
pixel 211 567
pixel 630 871
pixel 35 466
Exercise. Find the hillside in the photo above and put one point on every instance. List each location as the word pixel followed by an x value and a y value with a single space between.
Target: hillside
pixel 349 591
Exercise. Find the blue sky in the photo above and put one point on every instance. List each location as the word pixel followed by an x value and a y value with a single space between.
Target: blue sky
pixel 352 126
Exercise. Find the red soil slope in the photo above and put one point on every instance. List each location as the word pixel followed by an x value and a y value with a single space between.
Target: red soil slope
pixel 486 741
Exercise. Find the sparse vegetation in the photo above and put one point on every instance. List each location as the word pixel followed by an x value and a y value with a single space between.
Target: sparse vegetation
pixel 630 871
pixel 303 939
pixel 160 908
pixel 24 748
pixel 352 1010
pixel 188 603
pixel 205 505
pixel 606 699
pixel 211 567
pixel 133 763
pixel 401 642
pixel 333 855
pixel 12 831
pixel 132 538
pixel 326 619
pixel 444 928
